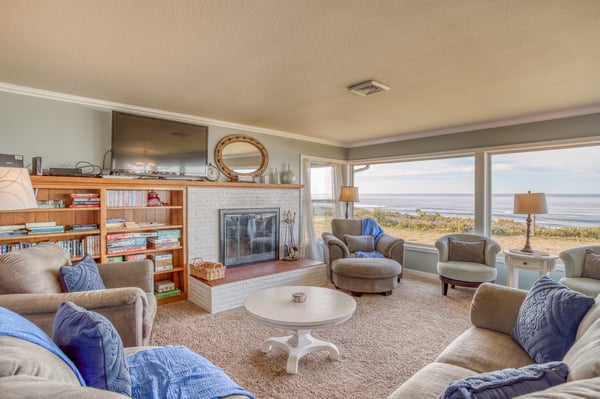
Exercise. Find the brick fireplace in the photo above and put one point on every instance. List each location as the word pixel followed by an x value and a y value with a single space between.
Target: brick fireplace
pixel 204 206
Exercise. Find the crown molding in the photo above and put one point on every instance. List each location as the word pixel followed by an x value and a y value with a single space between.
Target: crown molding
pixel 109 105
pixel 483 125
pixel 114 106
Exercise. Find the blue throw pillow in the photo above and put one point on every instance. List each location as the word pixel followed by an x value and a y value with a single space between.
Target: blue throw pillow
pixel 548 320
pixel 508 383
pixel 92 343
pixel 81 276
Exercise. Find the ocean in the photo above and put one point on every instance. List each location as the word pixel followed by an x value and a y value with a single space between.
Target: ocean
pixel 577 210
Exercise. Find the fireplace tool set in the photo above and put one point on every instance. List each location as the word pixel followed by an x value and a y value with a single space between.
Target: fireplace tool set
pixel 290 250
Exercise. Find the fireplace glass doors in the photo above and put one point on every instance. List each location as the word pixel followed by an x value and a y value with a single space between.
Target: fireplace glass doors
pixel 249 236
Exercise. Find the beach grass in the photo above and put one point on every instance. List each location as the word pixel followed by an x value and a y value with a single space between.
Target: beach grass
pixel 425 228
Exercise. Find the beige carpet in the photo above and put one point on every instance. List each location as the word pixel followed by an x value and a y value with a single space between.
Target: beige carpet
pixel 386 341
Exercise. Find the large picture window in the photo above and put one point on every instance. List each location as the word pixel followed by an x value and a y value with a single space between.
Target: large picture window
pixel 418 200
pixel 570 179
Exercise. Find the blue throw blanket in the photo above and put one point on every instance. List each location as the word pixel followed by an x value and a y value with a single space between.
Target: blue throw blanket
pixel 371 228
pixel 172 372
pixel 14 325
pixel 372 254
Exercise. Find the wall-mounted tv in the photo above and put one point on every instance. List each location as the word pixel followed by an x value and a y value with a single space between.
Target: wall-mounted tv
pixel 153 147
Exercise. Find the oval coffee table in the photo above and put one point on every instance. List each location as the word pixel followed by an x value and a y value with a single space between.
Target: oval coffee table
pixel 323 308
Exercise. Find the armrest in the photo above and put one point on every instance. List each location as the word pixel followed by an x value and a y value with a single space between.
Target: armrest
pixel 124 308
pixel 496 307
pixel 573 259
pixel 336 247
pixel 391 247
pixel 128 274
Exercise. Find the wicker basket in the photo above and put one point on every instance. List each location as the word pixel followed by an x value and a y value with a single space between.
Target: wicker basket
pixel 207 270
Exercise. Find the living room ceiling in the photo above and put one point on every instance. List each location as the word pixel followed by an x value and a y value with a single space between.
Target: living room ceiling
pixel 283 66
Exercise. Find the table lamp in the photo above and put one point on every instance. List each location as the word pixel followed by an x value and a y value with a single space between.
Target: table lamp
pixel 348 194
pixel 16 191
pixel 528 204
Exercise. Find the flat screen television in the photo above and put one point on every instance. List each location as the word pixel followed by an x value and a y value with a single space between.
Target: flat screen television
pixel 161 148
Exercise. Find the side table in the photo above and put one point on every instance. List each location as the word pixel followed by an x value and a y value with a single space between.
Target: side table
pixel 515 261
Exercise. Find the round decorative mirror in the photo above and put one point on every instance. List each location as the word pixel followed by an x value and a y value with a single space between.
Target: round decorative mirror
pixel 241 157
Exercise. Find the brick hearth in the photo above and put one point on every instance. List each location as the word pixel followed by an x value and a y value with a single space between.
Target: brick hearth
pixel 231 291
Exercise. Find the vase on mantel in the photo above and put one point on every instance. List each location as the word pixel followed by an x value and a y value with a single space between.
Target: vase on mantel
pixel 287 175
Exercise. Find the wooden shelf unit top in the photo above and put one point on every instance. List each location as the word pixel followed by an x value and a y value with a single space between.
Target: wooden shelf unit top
pixel 146 184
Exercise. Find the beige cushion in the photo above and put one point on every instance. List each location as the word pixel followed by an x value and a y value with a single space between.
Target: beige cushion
pixel 27 387
pixel 430 381
pixel 466 251
pixel 367 268
pixel 584 356
pixel 583 389
pixel 32 270
pixel 360 243
pixel 483 350
pixel 591 265
pixel 467 271
pixel 23 357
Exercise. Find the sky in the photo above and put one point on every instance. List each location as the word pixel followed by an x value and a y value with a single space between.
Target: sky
pixel 563 171
pixel 560 171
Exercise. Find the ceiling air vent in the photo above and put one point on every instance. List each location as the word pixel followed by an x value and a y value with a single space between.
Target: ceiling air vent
pixel 367 88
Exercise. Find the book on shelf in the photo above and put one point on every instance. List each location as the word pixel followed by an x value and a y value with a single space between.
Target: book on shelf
pixel 167 294
pixel 163 268
pixel 164 286
pixel 46 230
pixel 12 227
pixel 84 206
pixel 135 257
pixel 117 236
pixel 85 195
pixel 168 234
pixel 116 251
pixel 126 242
pixel 85 226
pixel 33 225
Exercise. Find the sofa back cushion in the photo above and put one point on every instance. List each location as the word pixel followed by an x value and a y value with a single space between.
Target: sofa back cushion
pixel 584 356
pixel 21 357
pixel 341 227
pixel 32 270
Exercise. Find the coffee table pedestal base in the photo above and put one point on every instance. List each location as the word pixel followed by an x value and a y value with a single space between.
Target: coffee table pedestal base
pixel 298 345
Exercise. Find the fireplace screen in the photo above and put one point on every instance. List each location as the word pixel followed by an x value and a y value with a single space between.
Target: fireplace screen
pixel 249 236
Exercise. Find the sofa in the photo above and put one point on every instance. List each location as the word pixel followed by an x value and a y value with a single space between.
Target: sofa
pixel 30 286
pixel 32 366
pixel 489 346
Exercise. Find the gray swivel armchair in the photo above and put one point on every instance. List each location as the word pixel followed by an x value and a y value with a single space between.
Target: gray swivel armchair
pixel 466 260
pixel 29 285
pixel 582 269
pixel 362 275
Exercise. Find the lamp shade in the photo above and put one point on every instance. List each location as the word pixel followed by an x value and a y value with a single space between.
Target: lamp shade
pixel 16 191
pixel 348 194
pixel 530 203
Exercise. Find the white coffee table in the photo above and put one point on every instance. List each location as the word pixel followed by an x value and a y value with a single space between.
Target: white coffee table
pixel 323 308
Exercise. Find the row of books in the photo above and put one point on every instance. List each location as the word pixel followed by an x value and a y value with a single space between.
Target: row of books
pixel 43 228
pixel 167 294
pixel 116 198
pixel 124 242
pixel 75 248
pixel 126 258
pixel 85 200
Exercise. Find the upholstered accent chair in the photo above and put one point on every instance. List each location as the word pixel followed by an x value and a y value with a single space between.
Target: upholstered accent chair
pixel 466 259
pixel 378 274
pixel 582 269
pixel 30 286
